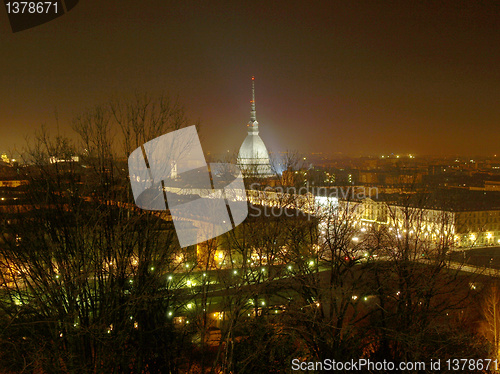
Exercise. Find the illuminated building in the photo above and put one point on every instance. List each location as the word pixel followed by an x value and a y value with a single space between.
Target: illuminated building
pixel 253 158
pixel 466 226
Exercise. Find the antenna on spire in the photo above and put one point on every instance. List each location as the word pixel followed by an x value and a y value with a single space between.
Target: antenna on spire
pixel 253 113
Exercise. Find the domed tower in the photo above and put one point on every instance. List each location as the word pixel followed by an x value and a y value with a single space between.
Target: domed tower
pixel 253 158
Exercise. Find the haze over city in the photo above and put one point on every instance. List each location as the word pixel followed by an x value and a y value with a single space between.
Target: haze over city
pixel 355 78
pixel 250 187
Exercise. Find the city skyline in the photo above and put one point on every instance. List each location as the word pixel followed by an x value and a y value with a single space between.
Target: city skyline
pixel 358 226
pixel 365 79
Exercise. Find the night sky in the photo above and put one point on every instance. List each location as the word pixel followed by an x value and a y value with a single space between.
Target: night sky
pixel 356 77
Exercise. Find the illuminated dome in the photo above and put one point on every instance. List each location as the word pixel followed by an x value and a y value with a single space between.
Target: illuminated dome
pixel 253 157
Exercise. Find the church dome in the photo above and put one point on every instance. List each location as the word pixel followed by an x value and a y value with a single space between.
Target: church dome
pixel 253 157
pixel 253 148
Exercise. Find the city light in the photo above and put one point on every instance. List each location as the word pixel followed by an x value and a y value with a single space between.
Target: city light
pixel 93 200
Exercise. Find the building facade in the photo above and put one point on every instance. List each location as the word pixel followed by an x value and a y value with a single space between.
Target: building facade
pixel 470 228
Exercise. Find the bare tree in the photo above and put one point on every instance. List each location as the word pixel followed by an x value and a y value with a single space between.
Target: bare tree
pixel 490 328
pixel 416 293
pixel 89 282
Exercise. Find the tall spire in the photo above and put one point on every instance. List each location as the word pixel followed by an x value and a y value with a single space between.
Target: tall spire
pixel 253 113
